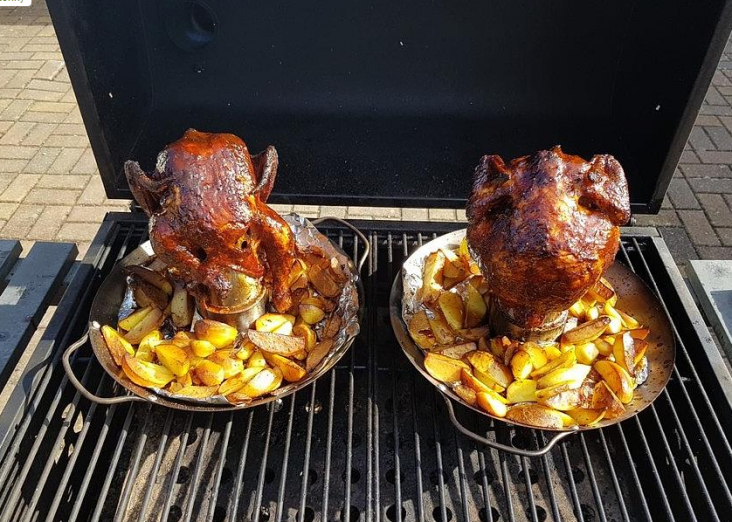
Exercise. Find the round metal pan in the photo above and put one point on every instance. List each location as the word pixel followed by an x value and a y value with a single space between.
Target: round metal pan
pixel 105 308
pixel 634 298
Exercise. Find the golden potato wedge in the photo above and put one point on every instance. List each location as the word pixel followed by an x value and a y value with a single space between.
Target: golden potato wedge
pixel 592 313
pixel 184 380
pixel 601 291
pixel 624 352
pixel 471 381
pixel 444 369
pixel 217 333
pixel 148 295
pixel 451 306
pixel 641 347
pixel 256 360
pixel 319 351
pixel 276 323
pixel 466 393
pixel 572 376
pixel 440 329
pixel 563 401
pixel 521 366
pixel 432 277
pixel 486 379
pixel 236 383
pixel 498 346
pixel 245 351
pixel 464 251
pixel 619 380
pixel 129 322
pixel 457 351
pixel 266 381
pixel 291 371
pixel 473 334
pixel 175 387
pixel 552 352
pixel 523 390
pixel 603 347
pixel 639 333
pixel 181 307
pixel 173 358
pixel 586 332
pixel 209 373
pixel 219 356
pixel 535 414
pixel 493 403
pixel 603 398
pixel 568 421
pixel 454 268
pixel 332 326
pixel 565 360
pixel 586 353
pixel 117 345
pixel 198 392
pixel 628 322
pixel 475 307
pixel 202 348
pixel 487 363
pixel 275 343
pixel 150 322
pixel 323 282
pixel 151 277
pixel 538 355
pixel 146 374
pixel 232 366
pixel 577 310
pixel 310 313
pixel 150 340
pixel 586 416
pixel 307 334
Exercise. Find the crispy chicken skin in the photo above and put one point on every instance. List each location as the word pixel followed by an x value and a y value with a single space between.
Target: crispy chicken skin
pixel 206 202
pixel 544 228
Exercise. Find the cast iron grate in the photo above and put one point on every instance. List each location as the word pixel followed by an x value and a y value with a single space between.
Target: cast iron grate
pixel 370 441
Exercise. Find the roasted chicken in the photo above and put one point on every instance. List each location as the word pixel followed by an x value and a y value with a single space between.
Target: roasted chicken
pixel 206 201
pixel 544 228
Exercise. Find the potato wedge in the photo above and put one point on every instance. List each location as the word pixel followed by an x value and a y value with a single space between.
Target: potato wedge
pixel 572 376
pixel 498 346
pixel 538 356
pixel 603 398
pixel 535 415
pixel 202 348
pixel 198 392
pixel 209 373
pixel 493 403
pixel 150 322
pixel 181 307
pixel 148 295
pixel 332 326
pixel 592 313
pixel 220 356
pixel 291 371
pixel 317 354
pixel 603 347
pixel 232 367
pixel 308 335
pixel 487 363
pixel 275 323
pixel 521 366
pixel 523 390
pixel 641 347
pixel 129 322
pixel 464 251
pixel 432 277
pixel 184 380
pixel 310 312
pixel 486 379
pixel 236 383
pixel 577 310
pixel 146 374
pixel 245 351
pixel 117 345
pixel 586 332
pixel 565 360
pixel 619 380
pixel 471 381
pixel 217 333
pixel 629 322
pixel 475 307
pixel 467 394
pixel 440 329
pixel 266 381
pixel 586 417
pixel 563 401
pixel 444 369
pixel 151 277
pixel 451 306
pixel 601 291
pixel 624 352
pixel 639 333
pixel 473 334
pixel 586 353
pixel 552 352
pixel 275 343
pixel 256 360
pixel 173 358
pixel 323 281
pixel 457 351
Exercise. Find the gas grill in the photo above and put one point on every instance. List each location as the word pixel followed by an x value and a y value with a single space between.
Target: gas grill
pixel 372 440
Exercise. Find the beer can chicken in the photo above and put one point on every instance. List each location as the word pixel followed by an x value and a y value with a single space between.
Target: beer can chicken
pixel 544 228
pixel 206 199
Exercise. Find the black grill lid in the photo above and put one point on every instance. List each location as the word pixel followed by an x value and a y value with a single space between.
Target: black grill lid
pixel 393 103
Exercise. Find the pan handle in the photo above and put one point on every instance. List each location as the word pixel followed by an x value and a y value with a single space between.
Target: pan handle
pixel 502 447
pixel 362 237
pixel 80 387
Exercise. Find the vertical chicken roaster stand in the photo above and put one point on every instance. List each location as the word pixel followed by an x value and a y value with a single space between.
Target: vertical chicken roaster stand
pixel 105 309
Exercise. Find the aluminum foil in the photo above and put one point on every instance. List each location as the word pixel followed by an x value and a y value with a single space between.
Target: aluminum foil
pixel 306 236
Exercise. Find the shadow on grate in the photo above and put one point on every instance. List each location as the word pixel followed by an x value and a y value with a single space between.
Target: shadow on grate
pixel 368 441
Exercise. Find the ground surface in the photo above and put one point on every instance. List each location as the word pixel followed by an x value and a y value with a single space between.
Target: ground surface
pixel 50 188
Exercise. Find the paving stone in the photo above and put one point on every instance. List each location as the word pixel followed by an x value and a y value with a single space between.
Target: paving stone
pixel 706 171
pixel 70 129
pixel 698 227
pixel 664 218
pixel 715 156
pixel 38 134
pixel 42 161
pixel 65 161
pixel 716 209
pixel 678 243
pixel 333 211
pixel 711 185
pixel 94 193
pixel 30 94
pixel 63 181
pixel 442 214
pixel 19 188
pixel 716 110
pixel 12 166
pixel 67 141
pixel 49 223
pixel 306 210
pixel 15 109
pixel 21 222
pixel 7 209
pixel 50 69
pixel 666 203
pixel 415 214
pixel 706 120
pixel 681 195
pixel 16 133
pixel 699 139
pixel 720 137
pixel 374 212
pixel 77 231
pixel 16 152
pixel 43 117
pixel 46 196
pixel 713 97
pixel 64 108
pixel 91 214
pixel 688 156
pixel 282 209
pixel 461 215
pixel 725 236
pixel 706 252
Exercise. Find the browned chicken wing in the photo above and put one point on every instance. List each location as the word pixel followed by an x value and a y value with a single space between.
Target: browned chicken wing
pixel 544 228
pixel 206 202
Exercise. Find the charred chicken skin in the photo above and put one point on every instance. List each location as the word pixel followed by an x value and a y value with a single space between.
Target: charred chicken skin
pixel 544 228
pixel 206 201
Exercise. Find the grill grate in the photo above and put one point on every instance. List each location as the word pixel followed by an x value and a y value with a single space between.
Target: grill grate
pixel 369 441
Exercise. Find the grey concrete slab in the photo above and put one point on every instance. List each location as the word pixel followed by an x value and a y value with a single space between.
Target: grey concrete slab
pixel 712 284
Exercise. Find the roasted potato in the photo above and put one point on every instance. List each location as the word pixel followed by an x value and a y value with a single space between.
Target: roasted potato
pixel 492 402
pixel 523 390
pixel 209 373
pixel 444 369
pixel 475 307
pixel 586 332
pixel 451 305
pixel 291 371
pixel 319 351
pixel 586 417
pixel 275 343
pixel 432 277
pixel 619 380
pixel 217 333
pixel 264 382
pixel 181 307
pixel 457 351
pixel 151 321
pixel 117 345
pixel 440 329
pixel 151 277
pixel 471 381
pixel 198 392
pixel 487 363
pixel 467 394
pixel 173 358
pixel 521 365
pixel 535 415
pixel 129 322
pixel 146 374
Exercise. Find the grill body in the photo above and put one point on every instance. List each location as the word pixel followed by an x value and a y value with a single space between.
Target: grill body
pixel 369 441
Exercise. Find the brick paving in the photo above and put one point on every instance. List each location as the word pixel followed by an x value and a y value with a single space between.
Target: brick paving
pixel 50 188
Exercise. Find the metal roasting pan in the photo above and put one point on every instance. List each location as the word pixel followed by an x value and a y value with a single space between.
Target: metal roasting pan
pixel 105 308
pixel 634 298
